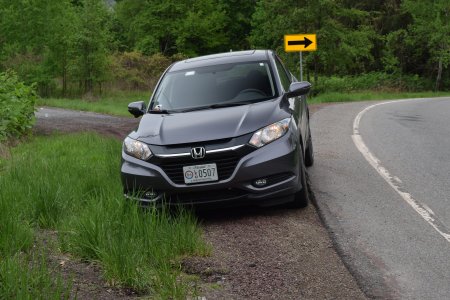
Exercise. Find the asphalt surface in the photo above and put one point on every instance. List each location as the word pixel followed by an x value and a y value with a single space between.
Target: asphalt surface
pixel 387 210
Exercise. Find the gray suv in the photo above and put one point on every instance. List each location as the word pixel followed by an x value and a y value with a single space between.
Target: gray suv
pixel 229 128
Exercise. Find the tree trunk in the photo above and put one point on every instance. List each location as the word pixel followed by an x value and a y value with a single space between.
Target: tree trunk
pixel 64 79
pixel 439 75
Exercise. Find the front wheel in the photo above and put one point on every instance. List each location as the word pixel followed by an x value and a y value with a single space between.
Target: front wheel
pixel 301 198
pixel 309 153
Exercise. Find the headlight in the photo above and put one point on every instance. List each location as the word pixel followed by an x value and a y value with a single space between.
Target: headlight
pixel 270 133
pixel 136 149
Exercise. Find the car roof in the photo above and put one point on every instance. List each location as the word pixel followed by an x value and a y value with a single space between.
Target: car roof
pixel 221 58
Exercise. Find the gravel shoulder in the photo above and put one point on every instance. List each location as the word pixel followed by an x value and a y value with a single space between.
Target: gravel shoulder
pixel 258 253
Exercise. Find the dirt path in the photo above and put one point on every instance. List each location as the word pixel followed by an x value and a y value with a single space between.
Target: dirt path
pixel 258 253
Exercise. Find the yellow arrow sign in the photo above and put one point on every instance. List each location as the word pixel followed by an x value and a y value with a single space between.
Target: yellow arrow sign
pixel 300 42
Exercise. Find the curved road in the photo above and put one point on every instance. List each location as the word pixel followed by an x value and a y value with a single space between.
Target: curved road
pixel 382 186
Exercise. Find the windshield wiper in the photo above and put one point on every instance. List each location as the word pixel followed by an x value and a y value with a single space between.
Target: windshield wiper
pixel 218 105
pixel 229 104
pixel 160 111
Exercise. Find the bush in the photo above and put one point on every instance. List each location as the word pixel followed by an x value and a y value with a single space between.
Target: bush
pixel 375 81
pixel 16 106
pixel 137 71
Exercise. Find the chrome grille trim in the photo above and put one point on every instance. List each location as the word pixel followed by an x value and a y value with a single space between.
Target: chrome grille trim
pixel 207 152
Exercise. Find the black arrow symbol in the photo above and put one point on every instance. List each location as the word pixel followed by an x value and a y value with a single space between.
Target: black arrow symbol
pixel 305 42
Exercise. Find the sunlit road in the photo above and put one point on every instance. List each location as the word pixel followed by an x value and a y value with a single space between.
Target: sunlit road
pixel 382 184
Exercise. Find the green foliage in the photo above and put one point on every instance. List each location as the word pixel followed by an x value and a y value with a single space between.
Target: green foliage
pixel 91 44
pixel 193 27
pixel 376 81
pixel 430 32
pixel 70 47
pixel 344 35
pixel 16 106
pixel 74 187
pixel 135 71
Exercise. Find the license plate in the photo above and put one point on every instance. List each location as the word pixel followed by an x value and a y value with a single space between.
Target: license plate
pixel 200 173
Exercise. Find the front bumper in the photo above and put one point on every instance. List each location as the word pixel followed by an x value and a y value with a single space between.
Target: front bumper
pixel 277 162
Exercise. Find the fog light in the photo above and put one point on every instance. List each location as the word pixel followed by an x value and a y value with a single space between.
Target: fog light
pixel 260 182
pixel 151 195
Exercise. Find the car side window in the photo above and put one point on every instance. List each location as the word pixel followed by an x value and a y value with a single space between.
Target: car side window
pixel 285 81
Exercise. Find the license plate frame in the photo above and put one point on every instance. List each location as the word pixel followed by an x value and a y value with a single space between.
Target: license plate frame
pixel 200 173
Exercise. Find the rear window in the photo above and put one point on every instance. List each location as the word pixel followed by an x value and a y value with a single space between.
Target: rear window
pixel 215 84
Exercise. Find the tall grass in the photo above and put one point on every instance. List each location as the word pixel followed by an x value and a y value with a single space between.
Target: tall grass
pixel 71 184
pixel 30 278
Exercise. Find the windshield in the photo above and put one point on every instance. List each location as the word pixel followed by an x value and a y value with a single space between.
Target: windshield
pixel 214 86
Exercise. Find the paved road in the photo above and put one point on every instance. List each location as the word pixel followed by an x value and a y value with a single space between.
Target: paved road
pixel 382 185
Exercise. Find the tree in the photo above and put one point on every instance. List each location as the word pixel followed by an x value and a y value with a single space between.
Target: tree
pixel 202 29
pixel 194 26
pixel 429 33
pixel 344 36
pixel 64 26
pixel 91 44
pixel 238 17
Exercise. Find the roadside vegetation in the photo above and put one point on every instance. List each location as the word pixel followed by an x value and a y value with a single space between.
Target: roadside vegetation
pixel 114 104
pixel 371 95
pixel 16 106
pixel 70 184
pixel 88 48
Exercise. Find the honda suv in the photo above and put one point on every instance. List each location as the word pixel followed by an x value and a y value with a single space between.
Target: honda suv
pixel 229 128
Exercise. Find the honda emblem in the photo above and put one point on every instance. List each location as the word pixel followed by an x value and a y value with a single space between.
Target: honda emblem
pixel 198 152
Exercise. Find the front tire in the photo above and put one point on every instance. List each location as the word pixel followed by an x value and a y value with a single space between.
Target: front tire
pixel 301 198
pixel 309 153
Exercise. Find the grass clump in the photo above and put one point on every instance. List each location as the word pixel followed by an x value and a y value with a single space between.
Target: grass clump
pixel 24 274
pixel 71 184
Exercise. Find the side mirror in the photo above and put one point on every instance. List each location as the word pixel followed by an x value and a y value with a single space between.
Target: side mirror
pixel 137 108
pixel 298 89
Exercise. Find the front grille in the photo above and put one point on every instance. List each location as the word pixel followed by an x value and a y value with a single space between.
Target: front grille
pixel 226 163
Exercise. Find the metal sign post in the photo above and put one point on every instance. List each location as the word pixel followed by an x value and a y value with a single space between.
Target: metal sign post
pixel 301 66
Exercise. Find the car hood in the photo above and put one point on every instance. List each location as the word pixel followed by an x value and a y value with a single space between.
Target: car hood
pixel 208 124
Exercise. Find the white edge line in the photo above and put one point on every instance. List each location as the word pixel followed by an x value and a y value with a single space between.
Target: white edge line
pixel 423 210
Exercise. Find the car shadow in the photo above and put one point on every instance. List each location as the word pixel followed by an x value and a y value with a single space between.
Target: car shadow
pixel 233 214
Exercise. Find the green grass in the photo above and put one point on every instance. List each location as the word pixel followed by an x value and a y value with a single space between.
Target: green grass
pixel 114 104
pixel 30 278
pixel 371 95
pixel 71 184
